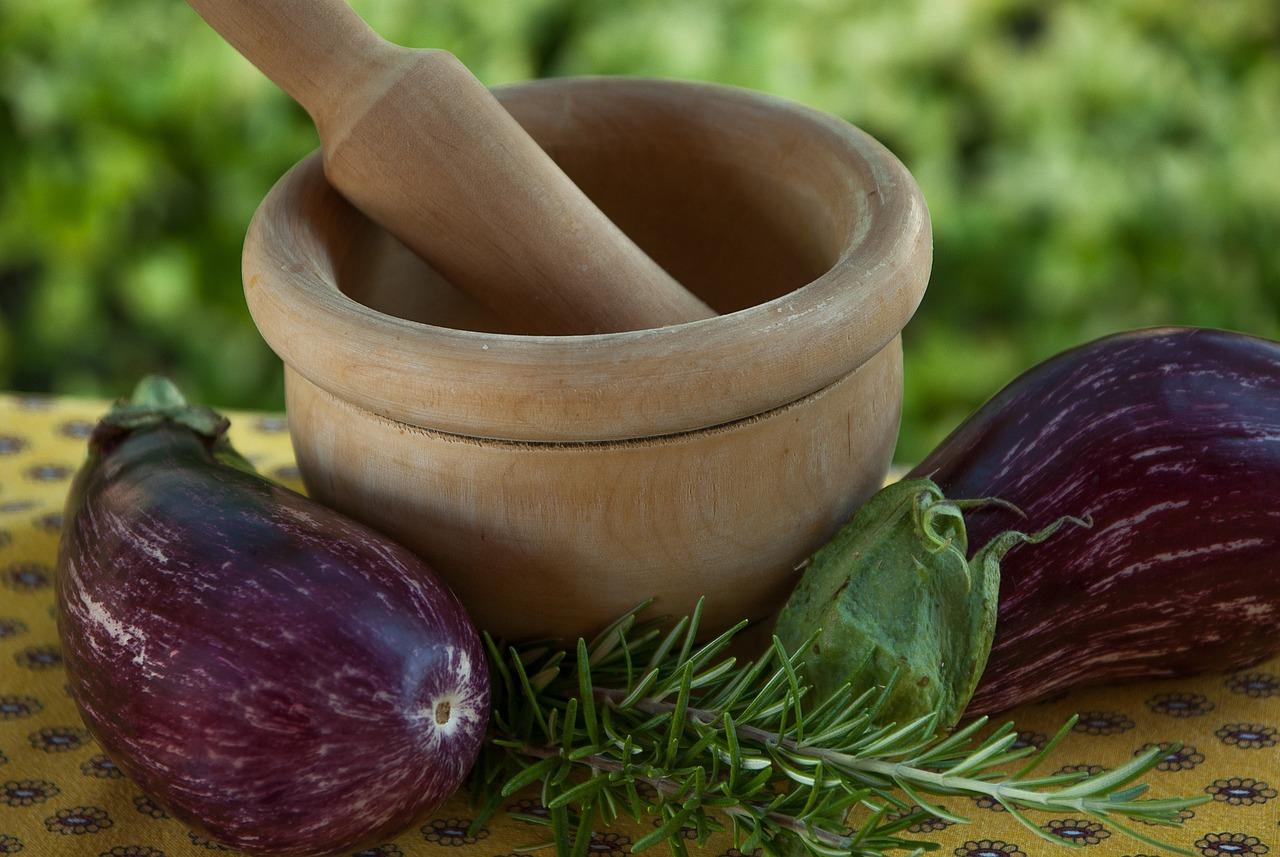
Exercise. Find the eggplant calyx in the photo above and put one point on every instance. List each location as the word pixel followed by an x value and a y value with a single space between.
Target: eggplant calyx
pixel 157 400
pixel 896 594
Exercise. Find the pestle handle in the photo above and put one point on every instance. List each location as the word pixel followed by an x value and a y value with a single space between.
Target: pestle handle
pixel 423 148
pixel 309 48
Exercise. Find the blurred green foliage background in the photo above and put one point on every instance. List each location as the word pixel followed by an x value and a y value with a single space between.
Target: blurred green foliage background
pixel 1090 166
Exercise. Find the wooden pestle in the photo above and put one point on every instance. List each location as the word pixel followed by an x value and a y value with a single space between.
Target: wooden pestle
pixel 423 148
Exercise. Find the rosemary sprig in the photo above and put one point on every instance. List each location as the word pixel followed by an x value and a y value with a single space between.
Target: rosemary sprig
pixel 642 722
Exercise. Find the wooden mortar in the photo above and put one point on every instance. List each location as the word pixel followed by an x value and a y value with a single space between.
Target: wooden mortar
pixel 556 481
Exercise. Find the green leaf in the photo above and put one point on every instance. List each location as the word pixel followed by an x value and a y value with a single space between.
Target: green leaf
pixel 583 792
pixel 891 744
pixel 976 760
pixel 1113 779
pixel 732 691
pixel 560 830
pixel 669 829
pixel 569 729
pixel 1031 826
pixel 691 634
pixel 1134 833
pixel 794 700
pixel 660 654
pixel 640 689
pixel 582 836
pixel 535 707
pixel 703 656
pixel 527 775
pixel 615 632
pixel 1049 747
pixel 927 806
pixel 498 664
pixel 678 716
pixel 485 812
pixel 735 751
pixel 586 694
pixel 955 740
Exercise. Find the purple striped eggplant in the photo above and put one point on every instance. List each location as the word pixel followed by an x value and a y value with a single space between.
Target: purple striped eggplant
pixel 1169 441
pixel 271 672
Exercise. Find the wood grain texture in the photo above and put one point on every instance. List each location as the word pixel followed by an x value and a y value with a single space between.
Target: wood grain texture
pixel 807 233
pixel 557 481
pixel 559 539
pixel 418 144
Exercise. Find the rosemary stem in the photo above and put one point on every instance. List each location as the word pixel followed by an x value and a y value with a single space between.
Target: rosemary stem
pixel 666 786
pixel 941 781
pixel 599 763
pixel 826 837
pixel 937 780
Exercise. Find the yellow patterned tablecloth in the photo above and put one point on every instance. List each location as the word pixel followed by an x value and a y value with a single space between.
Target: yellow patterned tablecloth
pixel 59 795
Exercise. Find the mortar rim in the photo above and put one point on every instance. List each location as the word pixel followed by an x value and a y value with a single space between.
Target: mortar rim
pixel 629 444
pixel 593 387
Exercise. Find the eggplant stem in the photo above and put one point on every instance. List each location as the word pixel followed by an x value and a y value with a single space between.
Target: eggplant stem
pixel 157 393
pixel 156 400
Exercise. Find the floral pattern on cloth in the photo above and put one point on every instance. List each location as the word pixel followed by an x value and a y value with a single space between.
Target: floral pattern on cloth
pixel 61 796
